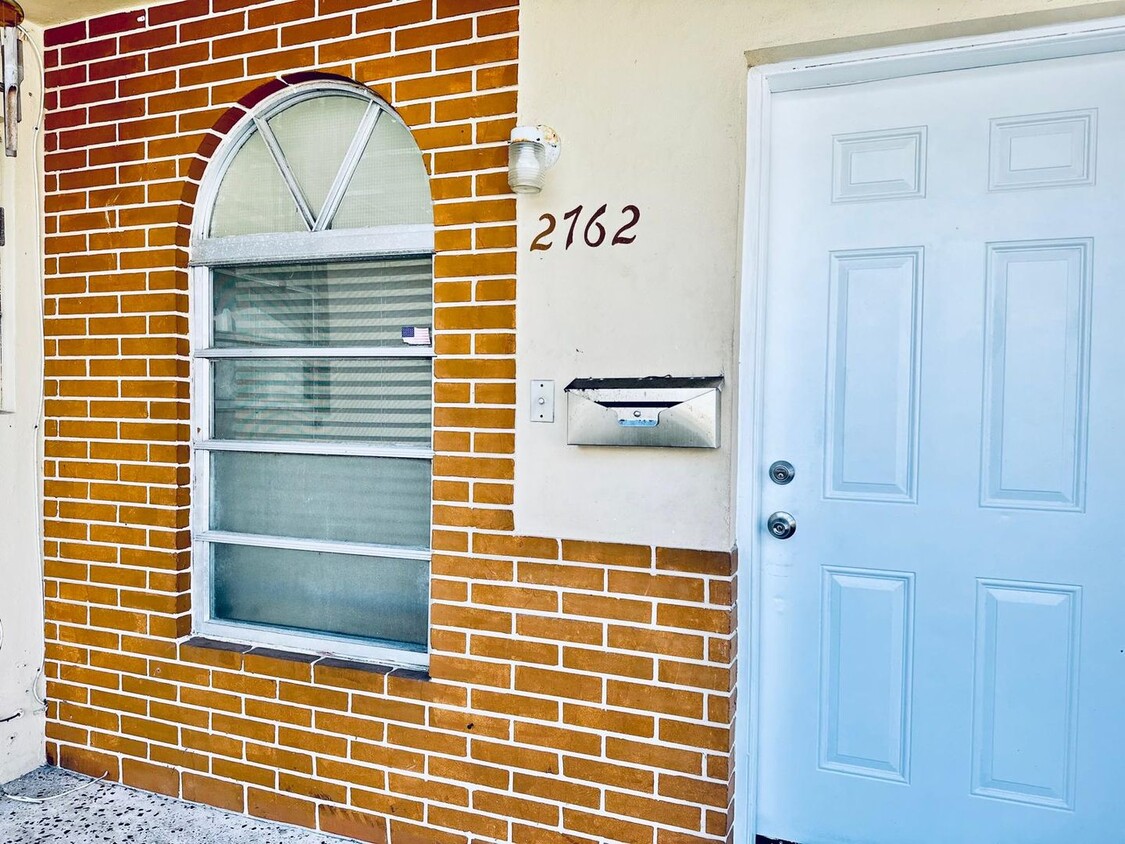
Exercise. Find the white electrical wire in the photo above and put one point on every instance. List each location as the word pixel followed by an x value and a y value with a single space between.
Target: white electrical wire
pixel 19 798
pixel 40 699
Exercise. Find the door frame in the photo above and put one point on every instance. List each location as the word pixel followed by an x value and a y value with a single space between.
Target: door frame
pixel 1092 37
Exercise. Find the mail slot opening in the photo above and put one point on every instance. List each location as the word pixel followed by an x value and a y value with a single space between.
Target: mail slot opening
pixel 655 411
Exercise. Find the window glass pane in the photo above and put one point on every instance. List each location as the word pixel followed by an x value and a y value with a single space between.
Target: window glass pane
pixel 353 304
pixel 379 500
pixel 369 597
pixel 315 134
pixel 390 185
pixel 318 399
pixel 253 197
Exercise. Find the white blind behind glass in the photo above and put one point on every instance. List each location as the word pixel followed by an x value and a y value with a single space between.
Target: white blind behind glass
pixel 323 399
pixel 376 500
pixel 321 305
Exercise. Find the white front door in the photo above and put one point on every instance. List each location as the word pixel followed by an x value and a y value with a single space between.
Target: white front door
pixel 943 638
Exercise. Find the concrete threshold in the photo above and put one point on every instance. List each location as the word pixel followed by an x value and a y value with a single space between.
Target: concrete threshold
pixel 107 813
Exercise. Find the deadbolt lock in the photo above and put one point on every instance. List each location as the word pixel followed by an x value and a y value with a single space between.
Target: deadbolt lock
pixel 782 472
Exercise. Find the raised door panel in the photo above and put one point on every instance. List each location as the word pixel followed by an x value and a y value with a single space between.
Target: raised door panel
pixel 874 351
pixel 1036 375
pixel 867 620
pixel 1026 692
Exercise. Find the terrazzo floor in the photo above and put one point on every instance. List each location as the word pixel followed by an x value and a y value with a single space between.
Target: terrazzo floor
pixel 101 812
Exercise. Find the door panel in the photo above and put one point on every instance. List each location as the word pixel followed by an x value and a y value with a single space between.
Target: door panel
pixel 943 657
pixel 1035 359
pixel 865 657
pixel 1027 650
pixel 874 332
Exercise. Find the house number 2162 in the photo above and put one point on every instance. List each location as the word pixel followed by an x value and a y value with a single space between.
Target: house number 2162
pixel 593 234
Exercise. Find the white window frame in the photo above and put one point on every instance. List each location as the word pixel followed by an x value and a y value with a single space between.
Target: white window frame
pixel 315 246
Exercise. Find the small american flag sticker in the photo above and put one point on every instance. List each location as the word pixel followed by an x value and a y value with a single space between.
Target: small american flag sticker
pixel 415 336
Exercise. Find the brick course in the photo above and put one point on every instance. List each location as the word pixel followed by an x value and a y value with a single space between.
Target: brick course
pixel 577 691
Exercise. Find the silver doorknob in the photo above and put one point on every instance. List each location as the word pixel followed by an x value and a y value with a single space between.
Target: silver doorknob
pixel 781 525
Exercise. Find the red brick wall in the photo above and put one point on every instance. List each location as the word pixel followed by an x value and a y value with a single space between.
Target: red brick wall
pixel 577 692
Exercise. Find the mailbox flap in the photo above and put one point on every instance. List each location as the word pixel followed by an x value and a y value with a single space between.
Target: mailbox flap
pixel 655 411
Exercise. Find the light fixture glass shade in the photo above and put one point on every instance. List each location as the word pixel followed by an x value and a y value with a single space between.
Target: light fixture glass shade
pixel 527 166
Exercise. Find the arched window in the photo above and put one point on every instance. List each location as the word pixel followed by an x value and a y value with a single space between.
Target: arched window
pixel 312 385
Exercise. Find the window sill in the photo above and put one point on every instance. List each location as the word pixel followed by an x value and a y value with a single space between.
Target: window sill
pixel 293 665
pixel 311 646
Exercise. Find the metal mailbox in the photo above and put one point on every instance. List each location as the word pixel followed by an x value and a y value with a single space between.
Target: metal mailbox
pixel 657 411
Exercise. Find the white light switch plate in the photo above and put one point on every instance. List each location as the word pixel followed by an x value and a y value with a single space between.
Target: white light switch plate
pixel 542 401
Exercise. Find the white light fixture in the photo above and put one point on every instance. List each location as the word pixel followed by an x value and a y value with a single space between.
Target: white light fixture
pixel 531 152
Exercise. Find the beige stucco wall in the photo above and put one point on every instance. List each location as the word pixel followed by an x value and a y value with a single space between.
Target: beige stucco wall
pixel 21 342
pixel 649 99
